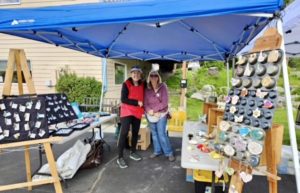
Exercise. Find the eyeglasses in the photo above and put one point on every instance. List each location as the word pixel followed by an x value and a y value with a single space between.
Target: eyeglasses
pixel 153 75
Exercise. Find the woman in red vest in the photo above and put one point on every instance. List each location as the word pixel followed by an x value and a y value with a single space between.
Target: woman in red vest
pixel 132 97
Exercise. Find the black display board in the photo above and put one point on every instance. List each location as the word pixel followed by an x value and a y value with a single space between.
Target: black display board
pixel 23 118
pixel 58 108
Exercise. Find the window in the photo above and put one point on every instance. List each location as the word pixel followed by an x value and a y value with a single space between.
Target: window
pixel 120 73
pixel 10 2
pixel 3 64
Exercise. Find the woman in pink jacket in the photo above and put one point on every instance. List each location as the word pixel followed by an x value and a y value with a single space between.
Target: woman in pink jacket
pixel 156 101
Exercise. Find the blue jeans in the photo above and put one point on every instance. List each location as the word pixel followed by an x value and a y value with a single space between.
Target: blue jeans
pixel 161 142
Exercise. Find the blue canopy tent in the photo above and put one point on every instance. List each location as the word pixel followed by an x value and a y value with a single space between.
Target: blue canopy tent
pixel 291 26
pixel 170 29
pixel 148 29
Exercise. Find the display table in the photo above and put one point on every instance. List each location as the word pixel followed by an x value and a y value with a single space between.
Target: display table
pixel 195 159
pixel 93 125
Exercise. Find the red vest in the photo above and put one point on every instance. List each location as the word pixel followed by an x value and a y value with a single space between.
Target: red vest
pixel 136 93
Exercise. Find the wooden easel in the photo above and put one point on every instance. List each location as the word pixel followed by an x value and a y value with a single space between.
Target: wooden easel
pixel 18 59
pixel 273 142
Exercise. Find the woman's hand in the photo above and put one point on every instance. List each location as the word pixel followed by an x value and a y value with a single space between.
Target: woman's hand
pixel 157 114
pixel 140 103
pixel 150 112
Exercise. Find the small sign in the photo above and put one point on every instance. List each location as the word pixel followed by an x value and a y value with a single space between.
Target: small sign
pixel 183 83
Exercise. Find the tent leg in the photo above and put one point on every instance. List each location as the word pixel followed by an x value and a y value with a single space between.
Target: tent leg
pixel 227 71
pixel 291 121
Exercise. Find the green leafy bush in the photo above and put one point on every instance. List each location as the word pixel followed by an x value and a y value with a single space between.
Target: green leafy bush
pixel 78 88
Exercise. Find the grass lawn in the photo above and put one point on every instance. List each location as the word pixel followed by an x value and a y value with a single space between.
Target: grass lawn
pixel 194 109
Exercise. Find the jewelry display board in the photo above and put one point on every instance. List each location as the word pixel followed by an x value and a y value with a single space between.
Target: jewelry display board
pixel 58 108
pixel 17 60
pixel 22 118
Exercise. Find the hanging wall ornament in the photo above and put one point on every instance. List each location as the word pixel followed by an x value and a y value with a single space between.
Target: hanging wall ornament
pixel 252 58
pixel 262 57
pixel 232 109
pixel 274 56
pixel 241 60
pixel 239 71
pixel 229 150
pixel 238 119
pixel 235 99
pixel 255 148
pixel 261 94
pixel 244 92
pixel 245 177
pixel 268 82
pixel 236 82
pixel 268 104
pixel 256 113
pixel 249 70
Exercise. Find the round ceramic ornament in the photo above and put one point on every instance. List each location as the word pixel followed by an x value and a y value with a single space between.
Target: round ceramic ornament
pixel 229 150
pixel 255 148
pixel 253 160
pixel 268 82
pixel 244 131
pixel 257 134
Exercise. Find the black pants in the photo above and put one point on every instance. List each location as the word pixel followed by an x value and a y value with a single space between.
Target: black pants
pixel 125 126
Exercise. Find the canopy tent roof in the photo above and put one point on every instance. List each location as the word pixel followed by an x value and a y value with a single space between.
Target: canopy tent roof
pixel 150 29
pixel 291 26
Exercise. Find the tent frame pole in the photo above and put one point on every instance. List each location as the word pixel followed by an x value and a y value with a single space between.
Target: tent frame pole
pixel 289 106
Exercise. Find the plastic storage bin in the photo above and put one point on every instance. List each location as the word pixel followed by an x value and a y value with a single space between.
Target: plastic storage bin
pixel 203 179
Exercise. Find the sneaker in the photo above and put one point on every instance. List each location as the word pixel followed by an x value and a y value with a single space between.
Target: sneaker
pixel 154 155
pixel 135 156
pixel 121 163
pixel 171 158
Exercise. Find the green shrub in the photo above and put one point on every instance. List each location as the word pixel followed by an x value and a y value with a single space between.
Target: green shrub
pixel 78 88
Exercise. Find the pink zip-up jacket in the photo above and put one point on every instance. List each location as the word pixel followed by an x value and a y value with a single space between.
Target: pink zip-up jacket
pixel 158 101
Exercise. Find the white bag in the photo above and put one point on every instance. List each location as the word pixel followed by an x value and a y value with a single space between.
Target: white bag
pixel 152 118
